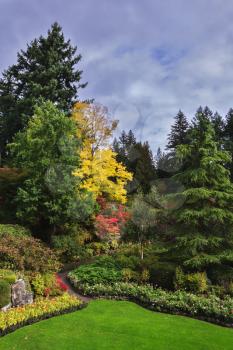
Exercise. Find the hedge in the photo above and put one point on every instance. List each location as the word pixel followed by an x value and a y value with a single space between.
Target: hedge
pixel 211 308
pixel 5 293
pixel 40 310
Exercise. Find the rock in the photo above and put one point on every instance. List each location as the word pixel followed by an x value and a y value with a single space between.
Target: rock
pixel 19 294
pixel 6 307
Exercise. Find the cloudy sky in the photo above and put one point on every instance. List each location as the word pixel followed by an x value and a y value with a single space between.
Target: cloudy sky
pixel 145 60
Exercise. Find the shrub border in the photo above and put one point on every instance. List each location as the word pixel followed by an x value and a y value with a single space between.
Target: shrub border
pixel 152 307
pixel 43 317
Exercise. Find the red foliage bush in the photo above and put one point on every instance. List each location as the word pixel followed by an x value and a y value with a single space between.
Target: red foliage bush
pixel 111 219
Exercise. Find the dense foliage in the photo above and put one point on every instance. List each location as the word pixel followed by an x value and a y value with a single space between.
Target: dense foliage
pixel 48 151
pixel 26 253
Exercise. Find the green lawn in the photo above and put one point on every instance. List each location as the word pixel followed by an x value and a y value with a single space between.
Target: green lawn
pixel 119 325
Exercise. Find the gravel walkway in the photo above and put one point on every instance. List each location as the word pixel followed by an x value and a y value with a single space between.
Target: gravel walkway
pixel 71 290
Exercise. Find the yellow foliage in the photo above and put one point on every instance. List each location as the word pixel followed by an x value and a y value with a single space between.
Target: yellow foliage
pixel 100 172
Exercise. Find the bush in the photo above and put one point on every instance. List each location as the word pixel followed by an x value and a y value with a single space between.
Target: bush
pixel 93 274
pixel 71 244
pixel 212 308
pixel 107 261
pixel 132 262
pixel 99 247
pixel 5 293
pixel 127 275
pixel 41 309
pixel 196 282
pixel 14 230
pixel 162 274
pixel 47 285
pixel 24 253
pixel 193 282
pixel 221 275
pixel 8 276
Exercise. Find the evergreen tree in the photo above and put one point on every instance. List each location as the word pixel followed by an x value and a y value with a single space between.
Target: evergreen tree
pixel 178 134
pixel 228 138
pixel 201 114
pixel 229 126
pixel 138 159
pixel 204 224
pixel 47 150
pixel 48 70
pixel 219 128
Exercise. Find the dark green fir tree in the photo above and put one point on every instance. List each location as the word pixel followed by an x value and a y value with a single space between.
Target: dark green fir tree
pixel 178 134
pixel 203 226
pixel 138 159
pixel 47 70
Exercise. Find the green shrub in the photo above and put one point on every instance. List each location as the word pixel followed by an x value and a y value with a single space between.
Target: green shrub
pixel 99 247
pixel 38 284
pixel 93 274
pixel 25 253
pixel 162 274
pixel 127 275
pixel 193 282
pixel 14 230
pixel 8 275
pixel 41 309
pixel 221 275
pixel 69 246
pixel 5 291
pixel 132 262
pixel 145 276
pixel 107 261
pixel 45 285
pixel 196 282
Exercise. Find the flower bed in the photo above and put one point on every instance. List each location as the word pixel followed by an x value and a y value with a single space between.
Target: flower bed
pixel 211 308
pixel 40 310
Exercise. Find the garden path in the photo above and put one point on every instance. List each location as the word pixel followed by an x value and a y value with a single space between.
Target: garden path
pixel 70 288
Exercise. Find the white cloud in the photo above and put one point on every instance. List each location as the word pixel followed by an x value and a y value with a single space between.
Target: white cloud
pixel 121 42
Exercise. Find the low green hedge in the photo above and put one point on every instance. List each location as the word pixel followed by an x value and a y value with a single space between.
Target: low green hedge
pixel 14 230
pixel 42 309
pixel 8 275
pixel 211 308
pixel 94 274
pixel 5 291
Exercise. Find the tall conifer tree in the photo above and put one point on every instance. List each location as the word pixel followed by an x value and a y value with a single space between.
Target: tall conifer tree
pixel 204 223
pixel 47 70
pixel 178 134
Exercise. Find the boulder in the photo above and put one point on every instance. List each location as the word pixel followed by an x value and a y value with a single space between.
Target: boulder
pixel 19 294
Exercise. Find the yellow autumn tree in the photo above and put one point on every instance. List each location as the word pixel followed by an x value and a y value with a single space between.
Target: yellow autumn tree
pixel 100 173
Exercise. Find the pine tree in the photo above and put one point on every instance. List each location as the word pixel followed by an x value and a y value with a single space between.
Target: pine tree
pixel 219 128
pixel 48 70
pixel 228 138
pixel 138 159
pixel 203 226
pixel 178 134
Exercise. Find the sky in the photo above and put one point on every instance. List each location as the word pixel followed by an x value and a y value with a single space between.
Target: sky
pixel 143 59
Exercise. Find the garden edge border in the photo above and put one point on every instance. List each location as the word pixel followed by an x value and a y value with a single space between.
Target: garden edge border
pixel 149 306
pixel 46 316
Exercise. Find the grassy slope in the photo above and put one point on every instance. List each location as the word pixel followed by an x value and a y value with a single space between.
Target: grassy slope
pixel 119 325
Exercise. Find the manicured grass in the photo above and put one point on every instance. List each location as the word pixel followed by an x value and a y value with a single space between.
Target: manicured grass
pixel 119 325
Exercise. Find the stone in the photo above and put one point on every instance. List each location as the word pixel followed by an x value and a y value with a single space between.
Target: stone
pixel 6 307
pixel 19 294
